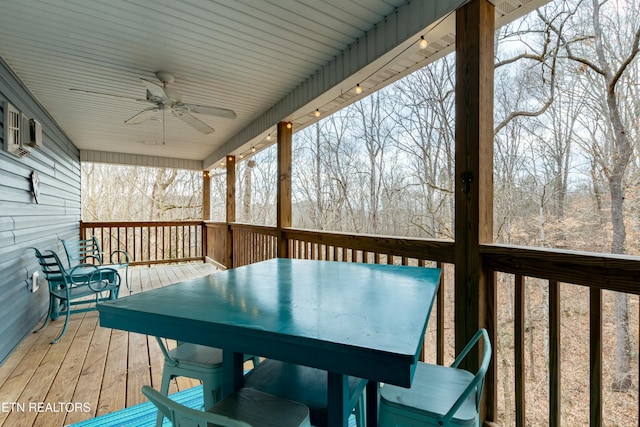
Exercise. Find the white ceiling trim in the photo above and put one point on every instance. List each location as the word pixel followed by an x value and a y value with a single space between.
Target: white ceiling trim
pixel 138 160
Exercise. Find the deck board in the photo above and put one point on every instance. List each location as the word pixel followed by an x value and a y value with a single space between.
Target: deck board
pixel 100 369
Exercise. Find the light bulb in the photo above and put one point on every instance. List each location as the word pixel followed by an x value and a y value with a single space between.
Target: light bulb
pixel 289 125
pixel 253 149
pixel 423 42
pixel 269 137
pixel 317 113
pixel 358 89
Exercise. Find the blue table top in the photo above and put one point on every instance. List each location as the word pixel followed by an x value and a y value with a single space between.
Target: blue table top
pixel 351 318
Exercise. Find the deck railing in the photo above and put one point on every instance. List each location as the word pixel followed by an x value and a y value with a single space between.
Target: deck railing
pixel 560 269
pixel 150 242
pixel 233 245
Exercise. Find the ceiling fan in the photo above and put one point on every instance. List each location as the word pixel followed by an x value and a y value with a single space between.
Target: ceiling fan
pixel 168 100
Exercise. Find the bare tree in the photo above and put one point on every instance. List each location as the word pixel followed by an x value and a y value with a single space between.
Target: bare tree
pixel 606 63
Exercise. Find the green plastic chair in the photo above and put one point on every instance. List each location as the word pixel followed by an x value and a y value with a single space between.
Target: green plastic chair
pixel 242 408
pixel 70 288
pixel 198 362
pixel 439 395
pixel 89 252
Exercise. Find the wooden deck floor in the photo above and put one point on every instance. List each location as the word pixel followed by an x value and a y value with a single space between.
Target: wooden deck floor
pixel 92 370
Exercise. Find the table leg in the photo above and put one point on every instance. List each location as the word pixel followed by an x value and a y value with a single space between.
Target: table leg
pixel 232 374
pixel 338 400
pixel 372 403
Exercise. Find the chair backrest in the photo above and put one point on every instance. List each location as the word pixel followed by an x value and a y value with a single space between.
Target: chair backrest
pixel 51 265
pixel 478 380
pixel 82 251
pixel 182 416
pixel 165 352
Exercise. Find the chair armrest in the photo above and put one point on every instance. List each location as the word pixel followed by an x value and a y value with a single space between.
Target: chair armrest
pixel 93 277
pixel 119 253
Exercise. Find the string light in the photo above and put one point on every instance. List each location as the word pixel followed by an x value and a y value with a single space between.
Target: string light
pixel 423 44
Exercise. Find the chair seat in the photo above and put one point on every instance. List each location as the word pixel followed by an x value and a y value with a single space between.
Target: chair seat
pixel 433 392
pixel 197 355
pixel 302 384
pixel 262 410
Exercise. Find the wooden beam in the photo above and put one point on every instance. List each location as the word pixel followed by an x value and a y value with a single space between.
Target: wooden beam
pixel 231 208
pixel 206 212
pixel 283 216
pixel 474 302
pixel 206 196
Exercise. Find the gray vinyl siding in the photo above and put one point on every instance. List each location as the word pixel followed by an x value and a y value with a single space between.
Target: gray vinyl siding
pixel 23 223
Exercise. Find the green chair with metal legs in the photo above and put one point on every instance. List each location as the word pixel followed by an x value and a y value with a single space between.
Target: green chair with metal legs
pixel 84 285
pixel 89 252
pixel 242 408
pixel 198 362
pixel 439 395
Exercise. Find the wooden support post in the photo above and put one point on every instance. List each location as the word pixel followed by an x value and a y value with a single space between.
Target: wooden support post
pixel 206 212
pixel 474 293
pixel 283 216
pixel 231 208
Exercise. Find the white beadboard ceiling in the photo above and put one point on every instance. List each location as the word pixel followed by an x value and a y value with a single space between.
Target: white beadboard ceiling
pixel 267 60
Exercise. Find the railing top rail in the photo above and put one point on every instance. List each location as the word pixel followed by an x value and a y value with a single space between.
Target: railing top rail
pixel 605 271
pixel 262 229
pixel 419 248
pixel 89 224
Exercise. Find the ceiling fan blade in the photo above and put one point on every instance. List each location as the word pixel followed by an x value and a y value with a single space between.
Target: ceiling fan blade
pixel 156 91
pixel 109 94
pixel 209 111
pixel 197 124
pixel 142 116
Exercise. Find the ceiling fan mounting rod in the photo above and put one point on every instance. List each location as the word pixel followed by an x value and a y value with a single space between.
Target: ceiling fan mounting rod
pixel 165 77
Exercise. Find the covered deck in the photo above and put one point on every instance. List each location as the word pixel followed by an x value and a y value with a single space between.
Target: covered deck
pixel 107 368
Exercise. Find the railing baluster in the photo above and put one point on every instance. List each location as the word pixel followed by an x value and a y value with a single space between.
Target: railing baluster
pixel 440 318
pixel 519 349
pixel 554 354
pixel 595 357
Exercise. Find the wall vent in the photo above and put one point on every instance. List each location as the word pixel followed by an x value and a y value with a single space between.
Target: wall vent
pixel 13 128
